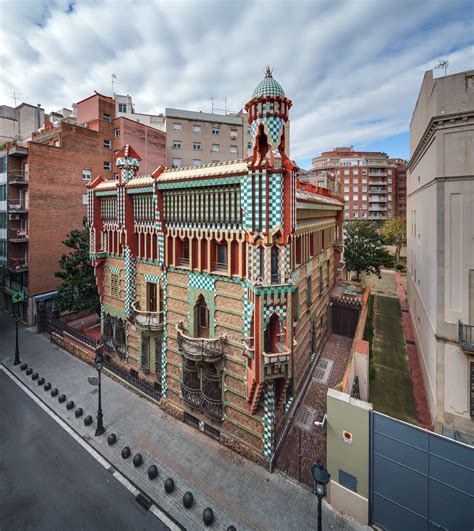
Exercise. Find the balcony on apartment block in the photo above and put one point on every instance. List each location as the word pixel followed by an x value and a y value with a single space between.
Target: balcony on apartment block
pixel 18 235
pixel 145 319
pixel 17 206
pixel 377 208
pixel 200 348
pixel 466 336
pixel 18 178
pixel 377 173
pixel 376 190
pixel 18 264
pixel 377 183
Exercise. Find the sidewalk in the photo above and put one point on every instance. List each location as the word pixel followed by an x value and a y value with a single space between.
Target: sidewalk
pixel 241 493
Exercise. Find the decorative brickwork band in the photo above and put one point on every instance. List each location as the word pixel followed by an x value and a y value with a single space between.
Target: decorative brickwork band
pixel 268 418
pixel 130 282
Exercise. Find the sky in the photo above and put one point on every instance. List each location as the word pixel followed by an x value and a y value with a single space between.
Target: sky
pixel 353 69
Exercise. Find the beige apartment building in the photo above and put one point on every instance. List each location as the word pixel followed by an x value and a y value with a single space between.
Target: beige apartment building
pixel 440 254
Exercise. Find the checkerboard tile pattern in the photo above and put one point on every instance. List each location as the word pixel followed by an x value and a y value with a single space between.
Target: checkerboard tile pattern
pixel 275 207
pixel 279 309
pixel 268 418
pixel 201 281
pixel 152 278
pixel 130 282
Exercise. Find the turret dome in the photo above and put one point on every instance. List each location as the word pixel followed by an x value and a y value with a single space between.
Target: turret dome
pixel 268 86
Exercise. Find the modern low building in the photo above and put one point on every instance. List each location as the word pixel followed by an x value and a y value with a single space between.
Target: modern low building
pixel 215 280
pixel 440 252
pixel 43 194
pixel 367 180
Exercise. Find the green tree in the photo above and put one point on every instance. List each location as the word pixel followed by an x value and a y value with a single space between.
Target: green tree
pixel 394 232
pixel 79 289
pixel 362 248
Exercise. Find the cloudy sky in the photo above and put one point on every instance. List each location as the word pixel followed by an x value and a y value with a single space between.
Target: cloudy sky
pixel 352 68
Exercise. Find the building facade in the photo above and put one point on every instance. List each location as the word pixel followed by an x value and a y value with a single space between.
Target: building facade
pixel 367 180
pixel 18 123
pixel 440 251
pixel 215 280
pixel 401 187
pixel 43 193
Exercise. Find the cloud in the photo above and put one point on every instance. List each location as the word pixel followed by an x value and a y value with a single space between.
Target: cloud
pixel 352 68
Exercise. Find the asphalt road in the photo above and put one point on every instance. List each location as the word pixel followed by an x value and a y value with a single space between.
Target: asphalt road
pixel 48 481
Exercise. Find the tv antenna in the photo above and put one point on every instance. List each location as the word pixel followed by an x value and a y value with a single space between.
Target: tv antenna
pixel 114 77
pixel 15 94
pixel 443 63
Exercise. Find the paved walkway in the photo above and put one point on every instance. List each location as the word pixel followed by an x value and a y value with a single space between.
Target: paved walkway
pixel 305 442
pixel 241 493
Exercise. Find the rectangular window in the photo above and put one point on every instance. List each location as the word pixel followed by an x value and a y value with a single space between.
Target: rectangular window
pixel 389 197
pixel 364 172
pixel 355 188
pixel 216 147
pixel 222 258
pixel 347 172
pixel 3 220
pixel 87 175
pixel 151 300
pixel 176 163
pixel 390 172
pixel 364 206
pixel 233 134
pixel 114 284
pixel 347 181
pixel 177 127
pixel 346 198
pixel 389 180
pixel 196 128
pixel 321 284
pixel 233 149
pixel 364 180
pixel 249 145
pixel 117 133
pixel 106 116
pixel 309 291
pixel 355 171
pixel 196 162
pixel 107 144
pixel 364 198
pixel 356 215
pixel 122 107
pixel 116 176
pixel 215 130
pixel 364 188
pixel 346 189
pixel 176 144
pixel 85 199
pixel 107 165
pixel 197 146
pixel 389 188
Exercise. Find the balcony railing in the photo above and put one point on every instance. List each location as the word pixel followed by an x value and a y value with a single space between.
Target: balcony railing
pixel 378 183
pixel 375 190
pixel 146 319
pixel 18 264
pixel 191 396
pixel 17 177
pixel 220 267
pixel 377 199
pixel 199 348
pixel 183 262
pixel 375 173
pixel 283 356
pixel 377 209
pixel 17 206
pixel 466 336
pixel 18 235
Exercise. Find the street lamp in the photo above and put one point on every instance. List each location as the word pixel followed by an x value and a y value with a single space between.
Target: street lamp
pixel 321 478
pixel 99 360
pixel 17 350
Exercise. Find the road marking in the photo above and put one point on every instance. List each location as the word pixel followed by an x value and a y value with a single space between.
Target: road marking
pixel 106 464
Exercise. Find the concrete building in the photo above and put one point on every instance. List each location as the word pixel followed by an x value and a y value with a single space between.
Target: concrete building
pixel 215 280
pixel 440 253
pixel 124 107
pixel 43 194
pixel 367 180
pixel 18 123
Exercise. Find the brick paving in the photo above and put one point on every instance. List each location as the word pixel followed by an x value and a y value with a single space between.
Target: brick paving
pixel 302 447
pixel 240 492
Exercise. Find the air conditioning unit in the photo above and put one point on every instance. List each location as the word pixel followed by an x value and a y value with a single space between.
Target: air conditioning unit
pixel 13 217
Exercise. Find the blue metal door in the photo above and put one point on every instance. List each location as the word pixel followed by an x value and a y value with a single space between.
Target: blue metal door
pixel 419 480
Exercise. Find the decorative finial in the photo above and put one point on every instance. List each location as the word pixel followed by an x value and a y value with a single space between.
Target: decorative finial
pixel 268 71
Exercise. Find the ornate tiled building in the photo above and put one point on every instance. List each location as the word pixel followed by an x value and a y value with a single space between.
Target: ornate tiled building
pixel 215 280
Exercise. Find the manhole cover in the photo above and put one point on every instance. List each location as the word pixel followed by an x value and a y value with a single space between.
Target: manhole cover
pixel 93 380
pixel 305 418
pixel 323 370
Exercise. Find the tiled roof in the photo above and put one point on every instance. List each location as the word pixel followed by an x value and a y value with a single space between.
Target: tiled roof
pixel 205 170
pixel 303 195
pixel 268 87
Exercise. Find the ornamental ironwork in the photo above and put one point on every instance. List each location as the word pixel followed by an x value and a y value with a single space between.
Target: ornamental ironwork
pixel 199 348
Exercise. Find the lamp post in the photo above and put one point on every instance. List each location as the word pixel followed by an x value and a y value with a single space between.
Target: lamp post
pixel 17 350
pixel 98 365
pixel 321 478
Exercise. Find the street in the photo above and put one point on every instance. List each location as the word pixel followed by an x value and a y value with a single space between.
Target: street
pixel 48 481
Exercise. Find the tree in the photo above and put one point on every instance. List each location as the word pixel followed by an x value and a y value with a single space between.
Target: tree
pixel 362 248
pixel 79 289
pixel 394 232
pixel 4 273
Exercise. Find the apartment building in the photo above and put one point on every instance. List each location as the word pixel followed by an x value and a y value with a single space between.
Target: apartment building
pixel 18 123
pixel 401 186
pixel 440 251
pixel 215 279
pixel 125 107
pixel 43 194
pixel 367 180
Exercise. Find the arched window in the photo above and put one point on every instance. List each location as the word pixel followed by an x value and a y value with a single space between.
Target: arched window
pixel 261 262
pixel 272 335
pixel 275 259
pixel 201 318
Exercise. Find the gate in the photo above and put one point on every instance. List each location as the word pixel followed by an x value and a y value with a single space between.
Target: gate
pixel 419 480
pixel 45 317
pixel 344 320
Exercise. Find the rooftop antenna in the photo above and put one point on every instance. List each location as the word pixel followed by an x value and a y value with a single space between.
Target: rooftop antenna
pixel 15 94
pixel 443 63
pixel 212 105
pixel 114 77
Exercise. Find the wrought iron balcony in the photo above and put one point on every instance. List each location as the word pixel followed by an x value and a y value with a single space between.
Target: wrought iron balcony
pixel 146 319
pixel 18 264
pixel 199 348
pixel 466 336
pixel 191 396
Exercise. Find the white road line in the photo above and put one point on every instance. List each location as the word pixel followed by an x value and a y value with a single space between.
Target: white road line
pixel 118 475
